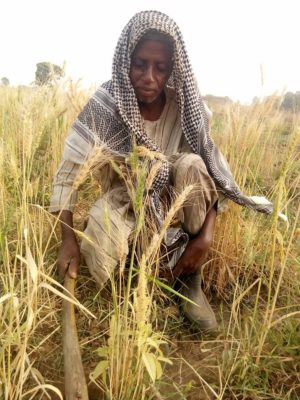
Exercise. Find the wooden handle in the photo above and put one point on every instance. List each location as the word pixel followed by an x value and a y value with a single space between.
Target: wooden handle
pixel 75 383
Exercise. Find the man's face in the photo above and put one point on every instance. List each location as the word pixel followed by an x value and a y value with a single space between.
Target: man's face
pixel 151 67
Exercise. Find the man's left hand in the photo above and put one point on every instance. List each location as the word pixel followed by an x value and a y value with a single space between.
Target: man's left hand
pixel 195 252
pixel 193 256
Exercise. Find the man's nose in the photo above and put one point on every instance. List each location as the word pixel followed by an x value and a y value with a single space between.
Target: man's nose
pixel 149 74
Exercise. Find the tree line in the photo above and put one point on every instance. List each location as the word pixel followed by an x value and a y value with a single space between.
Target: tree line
pixel 291 101
pixel 48 73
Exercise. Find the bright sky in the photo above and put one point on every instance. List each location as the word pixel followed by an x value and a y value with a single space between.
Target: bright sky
pixel 229 41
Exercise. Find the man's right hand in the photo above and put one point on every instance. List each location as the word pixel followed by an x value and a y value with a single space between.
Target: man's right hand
pixel 69 258
pixel 69 253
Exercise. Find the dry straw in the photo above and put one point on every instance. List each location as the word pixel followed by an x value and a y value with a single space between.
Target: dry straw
pixel 253 267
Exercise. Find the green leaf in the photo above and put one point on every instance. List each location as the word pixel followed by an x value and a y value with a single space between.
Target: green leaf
pixel 166 360
pixel 152 343
pixel 167 287
pixel 102 351
pixel 100 369
pixel 158 369
pixel 150 364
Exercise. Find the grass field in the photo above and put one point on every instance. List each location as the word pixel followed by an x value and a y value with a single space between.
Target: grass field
pixel 137 346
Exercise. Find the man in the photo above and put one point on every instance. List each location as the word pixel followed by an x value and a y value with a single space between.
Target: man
pixel 152 100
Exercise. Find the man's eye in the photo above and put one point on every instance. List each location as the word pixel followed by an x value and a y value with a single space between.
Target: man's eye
pixel 138 63
pixel 162 68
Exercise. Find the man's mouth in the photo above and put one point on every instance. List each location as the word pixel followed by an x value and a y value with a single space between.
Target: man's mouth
pixel 146 92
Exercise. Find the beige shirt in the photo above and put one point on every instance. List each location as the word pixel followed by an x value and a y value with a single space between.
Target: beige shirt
pixel 166 132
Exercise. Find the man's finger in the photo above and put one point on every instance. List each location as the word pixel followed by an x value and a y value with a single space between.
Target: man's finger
pixel 73 268
pixel 166 274
pixel 177 271
pixel 62 269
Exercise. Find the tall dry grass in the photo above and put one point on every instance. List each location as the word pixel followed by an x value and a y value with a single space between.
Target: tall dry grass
pixel 251 275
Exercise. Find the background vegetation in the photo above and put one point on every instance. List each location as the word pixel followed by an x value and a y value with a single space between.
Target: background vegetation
pixel 138 346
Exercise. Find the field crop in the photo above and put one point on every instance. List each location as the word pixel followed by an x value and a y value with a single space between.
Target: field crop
pixel 134 341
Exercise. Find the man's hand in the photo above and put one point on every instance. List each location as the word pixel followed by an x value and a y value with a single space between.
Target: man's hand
pixel 69 258
pixel 193 256
pixel 69 253
pixel 195 252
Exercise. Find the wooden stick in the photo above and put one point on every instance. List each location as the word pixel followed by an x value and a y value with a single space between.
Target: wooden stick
pixel 75 383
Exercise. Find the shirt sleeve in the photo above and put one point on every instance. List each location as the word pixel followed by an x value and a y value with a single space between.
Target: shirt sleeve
pixel 63 195
pixel 76 152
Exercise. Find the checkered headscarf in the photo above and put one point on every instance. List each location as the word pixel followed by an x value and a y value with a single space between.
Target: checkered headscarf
pixel 194 121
